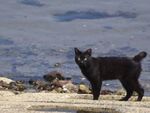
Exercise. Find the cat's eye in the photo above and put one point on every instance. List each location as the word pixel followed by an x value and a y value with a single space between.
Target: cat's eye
pixel 85 59
pixel 79 59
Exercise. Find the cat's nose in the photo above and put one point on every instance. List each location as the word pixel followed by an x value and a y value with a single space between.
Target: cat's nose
pixel 82 62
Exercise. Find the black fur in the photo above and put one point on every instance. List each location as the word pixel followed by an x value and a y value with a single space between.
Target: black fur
pixel 125 69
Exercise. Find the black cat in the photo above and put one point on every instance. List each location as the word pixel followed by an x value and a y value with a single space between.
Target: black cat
pixel 125 69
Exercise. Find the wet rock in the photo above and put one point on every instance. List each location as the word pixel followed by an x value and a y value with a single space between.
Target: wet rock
pixel 17 86
pixel 40 85
pixel 53 75
pixel 83 89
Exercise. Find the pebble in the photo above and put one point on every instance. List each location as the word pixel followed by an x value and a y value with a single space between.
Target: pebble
pixel 84 89
pixel 57 65
pixel 56 86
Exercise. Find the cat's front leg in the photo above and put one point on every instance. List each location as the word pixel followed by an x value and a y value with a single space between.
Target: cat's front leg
pixel 96 88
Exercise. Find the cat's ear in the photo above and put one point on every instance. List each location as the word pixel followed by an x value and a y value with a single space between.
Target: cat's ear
pixel 77 51
pixel 89 52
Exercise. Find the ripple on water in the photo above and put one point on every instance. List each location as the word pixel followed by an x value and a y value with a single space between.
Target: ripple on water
pixel 4 41
pixel 32 3
pixel 91 14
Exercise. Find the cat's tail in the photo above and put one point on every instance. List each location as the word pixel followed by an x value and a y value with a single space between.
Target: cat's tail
pixel 140 56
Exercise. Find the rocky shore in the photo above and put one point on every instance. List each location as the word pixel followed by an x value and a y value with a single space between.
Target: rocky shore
pixel 53 82
pixel 57 94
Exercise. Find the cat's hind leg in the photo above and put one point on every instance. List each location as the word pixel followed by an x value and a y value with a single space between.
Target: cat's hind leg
pixel 129 89
pixel 138 89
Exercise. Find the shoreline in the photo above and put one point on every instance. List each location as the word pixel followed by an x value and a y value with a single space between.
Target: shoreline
pixel 42 102
pixel 66 97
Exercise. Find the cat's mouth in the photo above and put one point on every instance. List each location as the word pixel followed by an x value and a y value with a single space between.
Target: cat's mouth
pixel 83 64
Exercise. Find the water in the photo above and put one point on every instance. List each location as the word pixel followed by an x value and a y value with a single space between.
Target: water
pixel 32 3
pixel 36 34
pixel 48 110
pixel 72 15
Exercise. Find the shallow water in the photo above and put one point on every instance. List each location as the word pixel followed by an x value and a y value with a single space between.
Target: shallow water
pixel 35 35
pixel 48 110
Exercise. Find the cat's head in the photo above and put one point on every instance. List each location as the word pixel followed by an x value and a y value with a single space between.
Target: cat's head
pixel 82 58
